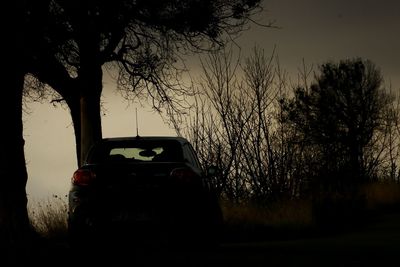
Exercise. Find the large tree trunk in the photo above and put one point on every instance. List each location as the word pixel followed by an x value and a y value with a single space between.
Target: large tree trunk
pixel 14 222
pixel 15 228
pixel 90 123
pixel 90 85
pixel 74 105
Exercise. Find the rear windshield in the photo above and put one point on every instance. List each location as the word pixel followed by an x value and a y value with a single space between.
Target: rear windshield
pixel 137 151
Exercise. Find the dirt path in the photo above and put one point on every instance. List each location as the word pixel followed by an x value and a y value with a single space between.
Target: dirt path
pixel 377 244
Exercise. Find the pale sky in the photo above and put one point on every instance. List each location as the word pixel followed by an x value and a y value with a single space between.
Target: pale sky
pixel 311 30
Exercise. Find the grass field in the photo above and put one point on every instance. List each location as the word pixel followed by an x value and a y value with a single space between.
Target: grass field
pixel 281 235
pixel 278 220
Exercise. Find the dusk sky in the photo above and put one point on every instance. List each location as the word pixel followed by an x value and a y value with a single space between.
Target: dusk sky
pixel 311 30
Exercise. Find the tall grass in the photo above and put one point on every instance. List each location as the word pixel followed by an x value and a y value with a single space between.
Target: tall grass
pixel 49 217
pixel 382 195
pixel 296 213
pixel 286 217
pixel 281 219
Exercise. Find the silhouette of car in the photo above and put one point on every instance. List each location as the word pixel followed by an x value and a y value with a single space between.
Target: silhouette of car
pixel 145 189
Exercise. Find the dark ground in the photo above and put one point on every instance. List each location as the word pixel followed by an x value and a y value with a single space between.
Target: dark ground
pixel 376 243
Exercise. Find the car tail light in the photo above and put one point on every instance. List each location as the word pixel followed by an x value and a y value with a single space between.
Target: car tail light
pixel 83 177
pixel 184 175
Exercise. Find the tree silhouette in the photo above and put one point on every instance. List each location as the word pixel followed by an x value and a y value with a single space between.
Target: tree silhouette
pixel 65 44
pixel 337 118
pixel 341 112
pixel 141 39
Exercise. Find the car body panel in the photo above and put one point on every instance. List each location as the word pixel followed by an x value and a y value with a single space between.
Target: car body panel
pixel 141 191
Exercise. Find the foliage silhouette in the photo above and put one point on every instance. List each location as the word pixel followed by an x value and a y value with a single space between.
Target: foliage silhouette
pixel 338 118
pixel 140 39
pixel 339 115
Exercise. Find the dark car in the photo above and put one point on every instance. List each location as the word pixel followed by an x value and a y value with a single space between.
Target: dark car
pixel 142 189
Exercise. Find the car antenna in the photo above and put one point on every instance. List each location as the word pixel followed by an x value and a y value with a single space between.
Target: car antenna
pixel 137 124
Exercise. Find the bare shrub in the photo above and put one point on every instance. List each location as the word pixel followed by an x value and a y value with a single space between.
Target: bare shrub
pixel 49 217
pixel 235 125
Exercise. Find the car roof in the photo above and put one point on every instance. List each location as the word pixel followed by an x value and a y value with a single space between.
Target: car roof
pixel 180 139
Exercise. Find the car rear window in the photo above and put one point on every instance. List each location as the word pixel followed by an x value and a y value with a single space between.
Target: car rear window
pixel 137 151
